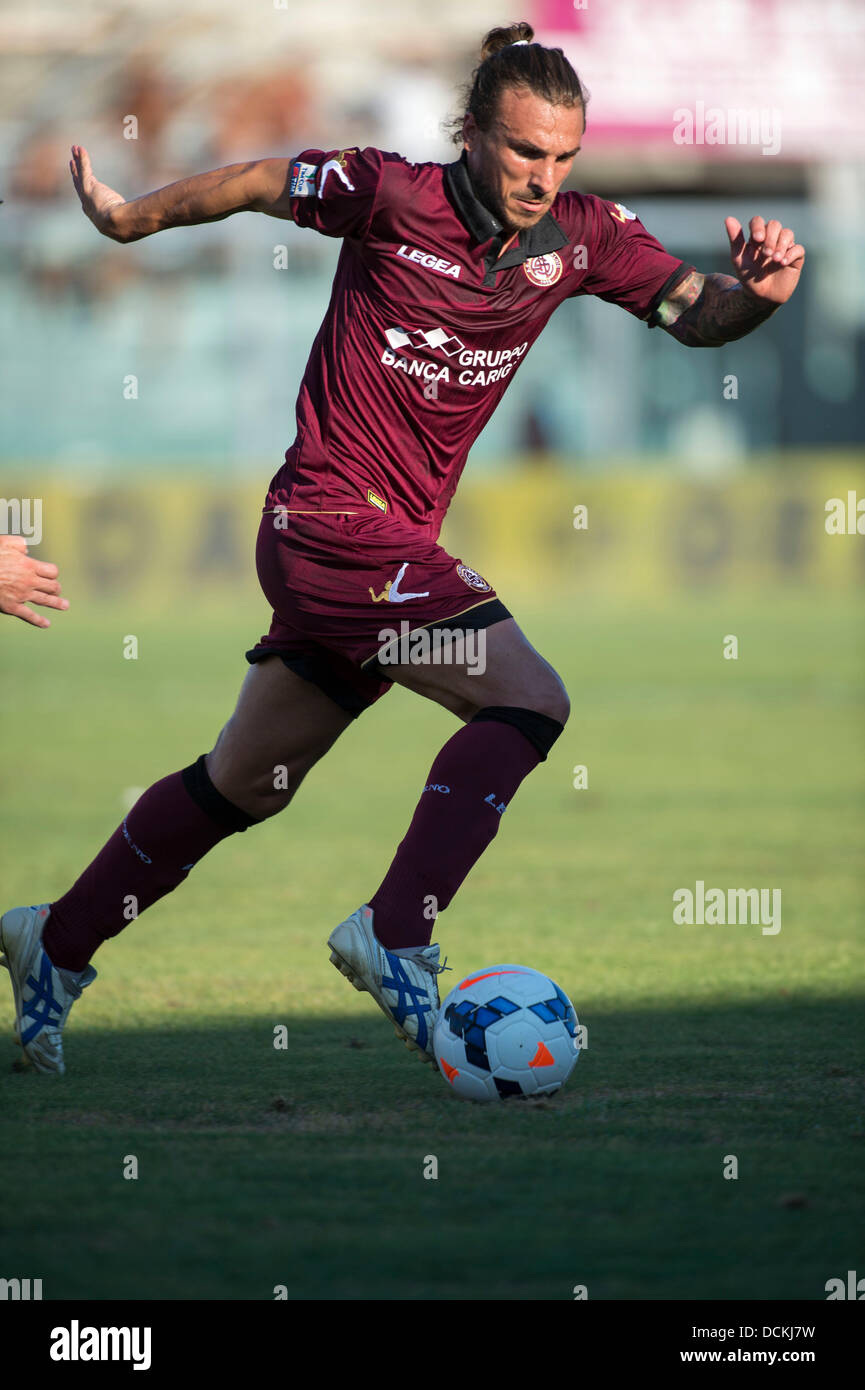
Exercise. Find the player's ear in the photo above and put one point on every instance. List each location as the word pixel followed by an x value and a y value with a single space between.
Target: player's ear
pixel 469 130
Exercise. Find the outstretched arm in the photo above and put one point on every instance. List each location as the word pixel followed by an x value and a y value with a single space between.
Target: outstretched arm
pixel 708 310
pixel 258 186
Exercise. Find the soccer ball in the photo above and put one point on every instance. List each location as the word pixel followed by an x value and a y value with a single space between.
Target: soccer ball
pixel 506 1031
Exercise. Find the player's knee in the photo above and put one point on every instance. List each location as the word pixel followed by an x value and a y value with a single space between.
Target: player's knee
pixel 543 693
pixel 273 789
pixel 540 729
pixel 215 799
pixel 555 704
pixel 257 793
pixel 550 698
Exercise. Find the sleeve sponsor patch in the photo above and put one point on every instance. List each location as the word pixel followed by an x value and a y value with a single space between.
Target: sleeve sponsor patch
pixel 334 191
pixel 302 180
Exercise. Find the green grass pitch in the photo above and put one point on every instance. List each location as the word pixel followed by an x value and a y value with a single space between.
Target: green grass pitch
pixel 304 1167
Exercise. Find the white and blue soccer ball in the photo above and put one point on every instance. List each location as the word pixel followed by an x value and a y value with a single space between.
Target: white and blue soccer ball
pixel 506 1030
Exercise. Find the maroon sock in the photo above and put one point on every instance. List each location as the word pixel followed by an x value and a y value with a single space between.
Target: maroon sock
pixel 167 831
pixel 460 810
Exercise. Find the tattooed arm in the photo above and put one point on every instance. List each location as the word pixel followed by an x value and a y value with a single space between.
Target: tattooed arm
pixel 708 310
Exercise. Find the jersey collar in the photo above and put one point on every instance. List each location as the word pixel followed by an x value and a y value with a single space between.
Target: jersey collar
pixel 543 237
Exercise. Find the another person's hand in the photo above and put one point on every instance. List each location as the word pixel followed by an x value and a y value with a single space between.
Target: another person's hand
pixel 24 580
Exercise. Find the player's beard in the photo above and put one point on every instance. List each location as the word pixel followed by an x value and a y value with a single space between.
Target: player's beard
pixel 495 204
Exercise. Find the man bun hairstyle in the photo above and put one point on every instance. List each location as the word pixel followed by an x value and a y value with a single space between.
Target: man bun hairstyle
pixel 501 38
pixel 511 58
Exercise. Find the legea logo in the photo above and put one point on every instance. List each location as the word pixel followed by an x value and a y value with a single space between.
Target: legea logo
pixel 429 261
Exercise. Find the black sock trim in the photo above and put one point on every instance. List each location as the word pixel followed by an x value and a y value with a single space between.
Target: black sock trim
pixel 196 780
pixel 540 730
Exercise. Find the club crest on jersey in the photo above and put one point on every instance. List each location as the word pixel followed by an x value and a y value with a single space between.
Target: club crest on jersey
pixel 543 270
pixel 473 579
pixel 621 213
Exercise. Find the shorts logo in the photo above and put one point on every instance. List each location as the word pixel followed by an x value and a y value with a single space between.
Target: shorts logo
pixel 302 180
pixel 376 501
pixel 473 579
pixel 543 270
pixel 391 590
pixel 622 214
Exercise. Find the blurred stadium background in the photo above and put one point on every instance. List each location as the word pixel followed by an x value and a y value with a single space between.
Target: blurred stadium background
pixel 706 512
pixel 217 337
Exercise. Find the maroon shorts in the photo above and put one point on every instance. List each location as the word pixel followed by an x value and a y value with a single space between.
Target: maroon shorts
pixel 336 581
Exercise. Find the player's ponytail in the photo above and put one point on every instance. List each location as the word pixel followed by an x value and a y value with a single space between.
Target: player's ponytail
pixel 503 37
pixel 511 58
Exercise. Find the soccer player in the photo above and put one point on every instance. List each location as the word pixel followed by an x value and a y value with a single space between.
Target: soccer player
pixel 446 276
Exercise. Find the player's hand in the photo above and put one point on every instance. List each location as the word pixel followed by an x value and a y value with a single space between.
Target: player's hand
pixel 24 580
pixel 97 199
pixel 768 265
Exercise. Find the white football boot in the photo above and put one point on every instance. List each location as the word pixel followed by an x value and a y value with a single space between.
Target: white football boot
pixel 404 986
pixel 44 993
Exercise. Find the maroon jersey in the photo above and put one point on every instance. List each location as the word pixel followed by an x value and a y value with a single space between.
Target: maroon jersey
pixel 428 322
